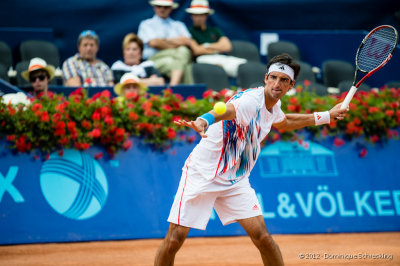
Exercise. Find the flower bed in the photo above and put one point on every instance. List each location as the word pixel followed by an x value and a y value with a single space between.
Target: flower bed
pixel 56 122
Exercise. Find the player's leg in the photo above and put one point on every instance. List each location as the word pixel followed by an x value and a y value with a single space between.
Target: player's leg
pixel 256 229
pixel 171 244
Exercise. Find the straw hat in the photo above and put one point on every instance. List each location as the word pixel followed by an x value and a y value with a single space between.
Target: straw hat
pixel 36 64
pixel 128 78
pixel 164 3
pixel 199 7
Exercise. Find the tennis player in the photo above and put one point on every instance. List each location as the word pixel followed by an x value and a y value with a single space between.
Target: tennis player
pixel 216 173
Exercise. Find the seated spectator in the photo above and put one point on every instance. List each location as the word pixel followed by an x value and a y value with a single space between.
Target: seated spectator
pixel 39 74
pixel 84 69
pixel 166 43
pixel 129 84
pixel 132 48
pixel 209 42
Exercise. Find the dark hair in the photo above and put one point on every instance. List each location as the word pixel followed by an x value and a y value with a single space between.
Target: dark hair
pixel 287 60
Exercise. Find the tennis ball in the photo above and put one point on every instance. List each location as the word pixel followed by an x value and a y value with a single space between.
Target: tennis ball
pixel 220 108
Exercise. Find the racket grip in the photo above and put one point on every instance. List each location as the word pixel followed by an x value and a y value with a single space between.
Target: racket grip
pixel 348 98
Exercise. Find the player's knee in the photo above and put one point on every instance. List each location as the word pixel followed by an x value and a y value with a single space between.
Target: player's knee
pixel 265 241
pixel 172 244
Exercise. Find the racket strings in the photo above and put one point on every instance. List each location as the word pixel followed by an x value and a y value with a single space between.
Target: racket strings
pixel 376 49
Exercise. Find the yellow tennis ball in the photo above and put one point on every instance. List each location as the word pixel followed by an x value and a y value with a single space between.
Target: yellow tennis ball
pixel 220 108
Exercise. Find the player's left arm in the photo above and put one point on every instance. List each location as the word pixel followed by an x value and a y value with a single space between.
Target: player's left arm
pixel 296 121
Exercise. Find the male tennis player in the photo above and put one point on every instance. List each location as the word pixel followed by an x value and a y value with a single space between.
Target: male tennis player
pixel 216 173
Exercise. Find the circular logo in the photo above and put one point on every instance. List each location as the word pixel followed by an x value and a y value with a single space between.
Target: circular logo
pixel 74 185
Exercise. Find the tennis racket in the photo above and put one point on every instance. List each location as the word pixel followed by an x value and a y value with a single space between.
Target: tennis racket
pixel 374 52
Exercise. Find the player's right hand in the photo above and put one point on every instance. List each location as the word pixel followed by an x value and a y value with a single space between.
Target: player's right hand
pixel 199 125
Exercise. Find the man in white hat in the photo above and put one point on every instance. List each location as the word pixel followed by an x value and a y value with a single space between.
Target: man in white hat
pixel 166 42
pixel 39 74
pixel 210 42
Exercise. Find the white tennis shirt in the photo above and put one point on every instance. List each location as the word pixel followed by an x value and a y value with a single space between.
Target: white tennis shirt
pixel 231 148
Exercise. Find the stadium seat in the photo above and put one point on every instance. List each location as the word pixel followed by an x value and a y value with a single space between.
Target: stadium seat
pixel 245 49
pixel 43 49
pixel 3 72
pixel 213 76
pixel 280 47
pixel 335 71
pixel 5 55
pixel 251 74
pixel 306 72
pixel 345 85
pixel 393 84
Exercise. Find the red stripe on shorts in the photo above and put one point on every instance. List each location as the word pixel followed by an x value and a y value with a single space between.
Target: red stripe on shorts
pixel 183 191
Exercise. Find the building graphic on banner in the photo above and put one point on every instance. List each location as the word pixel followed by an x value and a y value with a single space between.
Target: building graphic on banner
pixel 297 159
pixel 74 185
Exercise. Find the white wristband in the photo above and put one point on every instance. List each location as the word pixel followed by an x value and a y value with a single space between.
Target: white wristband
pixel 322 118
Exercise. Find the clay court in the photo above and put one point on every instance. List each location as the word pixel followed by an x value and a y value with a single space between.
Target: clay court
pixel 318 249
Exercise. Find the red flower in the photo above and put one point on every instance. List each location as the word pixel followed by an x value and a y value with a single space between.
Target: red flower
pixel 132 96
pixel 10 137
pixel 293 100
pixel 106 94
pixel 307 82
pixel 338 142
pixel 207 94
pixel 105 110
pixel 191 138
pixel 45 117
pixel 95 133
pixel 171 134
pixel 37 107
pixel 86 124
pixel 176 106
pixel 363 153
pixel 176 118
pixel 167 108
pixel 374 109
pixel 127 144
pixel 109 120
pixel 96 116
pixel 179 97
pixel 389 113
pixel 98 155
pixel 291 108
pixel 60 152
pixel 119 134
pixel 191 99
pixel 133 116
pixel 374 138
pixel 168 92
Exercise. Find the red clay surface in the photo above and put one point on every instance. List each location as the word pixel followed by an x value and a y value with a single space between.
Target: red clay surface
pixel 318 249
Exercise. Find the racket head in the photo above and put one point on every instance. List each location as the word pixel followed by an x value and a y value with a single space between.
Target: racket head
pixel 376 48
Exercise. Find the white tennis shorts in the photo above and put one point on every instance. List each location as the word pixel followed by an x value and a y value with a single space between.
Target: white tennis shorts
pixel 197 196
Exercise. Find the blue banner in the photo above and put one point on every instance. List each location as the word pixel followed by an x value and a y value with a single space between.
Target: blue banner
pixel 303 187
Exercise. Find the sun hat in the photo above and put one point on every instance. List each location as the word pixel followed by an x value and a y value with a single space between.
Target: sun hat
pixel 199 7
pixel 36 64
pixel 128 78
pixel 164 3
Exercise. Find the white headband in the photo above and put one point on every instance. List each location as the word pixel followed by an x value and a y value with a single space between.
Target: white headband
pixel 279 67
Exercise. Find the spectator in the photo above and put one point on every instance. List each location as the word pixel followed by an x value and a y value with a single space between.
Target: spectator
pixel 84 69
pixel 132 48
pixel 129 84
pixel 166 43
pixel 39 74
pixel 209 42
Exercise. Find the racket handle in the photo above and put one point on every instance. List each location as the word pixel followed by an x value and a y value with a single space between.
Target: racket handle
pixel 348 98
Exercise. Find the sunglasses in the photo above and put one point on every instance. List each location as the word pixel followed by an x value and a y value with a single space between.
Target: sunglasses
pixel 165 7
pixel 40 77
pixel 88 33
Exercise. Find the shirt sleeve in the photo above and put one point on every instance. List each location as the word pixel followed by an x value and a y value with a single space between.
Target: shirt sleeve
pixel 182 29
pixel 245 106
pixel 280 115
pixel 146 32
pixel 69 69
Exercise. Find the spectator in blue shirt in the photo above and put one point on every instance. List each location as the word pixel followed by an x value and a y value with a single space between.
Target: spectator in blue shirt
pixel 167 42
